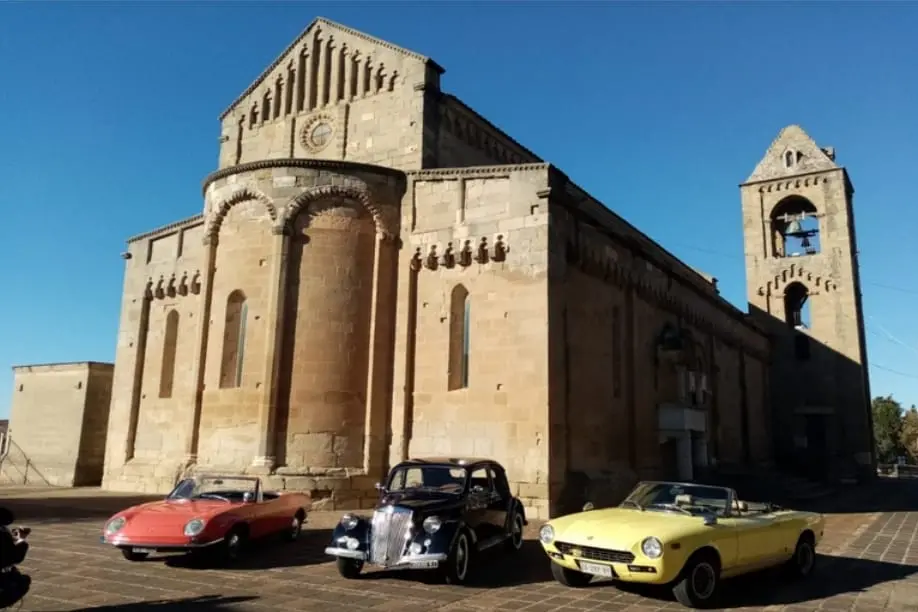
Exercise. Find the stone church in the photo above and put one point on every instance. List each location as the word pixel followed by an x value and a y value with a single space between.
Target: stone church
pixel 380 272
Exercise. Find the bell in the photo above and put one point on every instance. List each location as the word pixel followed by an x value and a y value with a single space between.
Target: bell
pixel 793 228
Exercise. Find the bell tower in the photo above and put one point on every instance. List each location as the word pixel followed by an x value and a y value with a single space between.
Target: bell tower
pixel 803 287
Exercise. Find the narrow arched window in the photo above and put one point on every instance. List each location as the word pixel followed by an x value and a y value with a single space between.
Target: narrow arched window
pixel 233 341
pixel 170 343
pixel 459 328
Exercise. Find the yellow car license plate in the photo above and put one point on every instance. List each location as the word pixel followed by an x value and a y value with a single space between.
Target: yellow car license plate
pixel 596 569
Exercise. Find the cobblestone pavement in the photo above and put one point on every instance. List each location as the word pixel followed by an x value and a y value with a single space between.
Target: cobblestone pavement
pixel 869 562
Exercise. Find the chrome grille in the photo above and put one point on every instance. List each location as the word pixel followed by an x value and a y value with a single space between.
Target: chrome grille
pixel 388 542
pixel 595 554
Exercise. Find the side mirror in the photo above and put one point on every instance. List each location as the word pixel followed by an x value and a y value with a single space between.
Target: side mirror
pixel 588 506
pixel 379 487
pixel 710 520
pixel 478 490
pixel 248 497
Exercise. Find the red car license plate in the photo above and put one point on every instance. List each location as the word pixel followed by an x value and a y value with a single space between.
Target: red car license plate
pixel 144 550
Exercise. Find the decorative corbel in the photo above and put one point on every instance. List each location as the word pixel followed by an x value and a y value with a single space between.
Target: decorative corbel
pixel 183 284
pixel 148 290
pixel 482 256
pixel 431 262
pixel 500 249
pixel 416 260
pixel 196 282
pixel 159 292
pixel 170 287
pixel 448 260
pixel 465 255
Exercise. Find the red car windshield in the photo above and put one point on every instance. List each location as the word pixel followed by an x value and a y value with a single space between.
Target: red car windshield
pixel 219 489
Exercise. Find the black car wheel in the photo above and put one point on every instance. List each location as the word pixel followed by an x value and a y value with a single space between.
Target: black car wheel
pixel 697 585
pixel 130 555
pixel 515 541
pixel 803 562
pixel 349 568
pixel 292 533
pixel 459 561
pixel 568 577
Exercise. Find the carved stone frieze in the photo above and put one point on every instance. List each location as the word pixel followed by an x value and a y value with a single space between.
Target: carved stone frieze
pixel 174 285
pixel 460 252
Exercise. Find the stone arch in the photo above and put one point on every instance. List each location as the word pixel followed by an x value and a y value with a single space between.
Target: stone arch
pixel 219 212
pixel 302 201
pixel 798 273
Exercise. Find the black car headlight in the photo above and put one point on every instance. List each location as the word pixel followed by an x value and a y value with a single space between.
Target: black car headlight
pixel 432 524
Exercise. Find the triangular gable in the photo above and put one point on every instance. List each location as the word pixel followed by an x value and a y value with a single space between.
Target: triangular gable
pixel 325 24
pixel 807 156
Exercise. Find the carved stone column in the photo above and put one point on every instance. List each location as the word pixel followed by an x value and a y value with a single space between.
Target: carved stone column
pixel 200 355
pixel 267 403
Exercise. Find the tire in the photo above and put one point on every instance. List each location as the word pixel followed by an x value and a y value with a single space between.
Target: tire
pixel 699 582
pixel 349 568
pixel 130 555
pixel 231 549
pixel 515 542
pixel 802 564
pixel 568 577
pixel 292 533
pixel 459 561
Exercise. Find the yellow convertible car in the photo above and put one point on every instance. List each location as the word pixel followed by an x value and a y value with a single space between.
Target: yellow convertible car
pixel 684 535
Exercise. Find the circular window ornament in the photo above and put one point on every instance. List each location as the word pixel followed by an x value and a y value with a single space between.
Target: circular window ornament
pixel 317 134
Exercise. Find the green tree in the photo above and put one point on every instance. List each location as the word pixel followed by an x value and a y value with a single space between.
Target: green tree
pixel 887 428
pixel 909 435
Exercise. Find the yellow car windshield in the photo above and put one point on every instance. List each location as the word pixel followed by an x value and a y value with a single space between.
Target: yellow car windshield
pixel 679 497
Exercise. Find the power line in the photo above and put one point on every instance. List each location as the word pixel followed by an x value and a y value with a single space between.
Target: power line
pixel 886 334
pixel 735 257
pixel 891 371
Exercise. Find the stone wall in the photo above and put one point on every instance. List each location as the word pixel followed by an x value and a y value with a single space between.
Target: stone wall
pixel 613 294
pixel 474 238
pixel 272 255
pixel 58 424
pixel 366 104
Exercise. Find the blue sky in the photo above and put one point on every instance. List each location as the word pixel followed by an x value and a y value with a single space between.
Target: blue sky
pixel 110 111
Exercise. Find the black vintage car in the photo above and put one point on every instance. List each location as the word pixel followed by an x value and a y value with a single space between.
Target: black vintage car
pixel 435 513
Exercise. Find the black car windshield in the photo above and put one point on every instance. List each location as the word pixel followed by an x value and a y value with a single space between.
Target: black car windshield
pixel 438 478
pixel 679 497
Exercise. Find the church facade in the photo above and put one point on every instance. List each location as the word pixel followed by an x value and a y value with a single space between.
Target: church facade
pixel 379 272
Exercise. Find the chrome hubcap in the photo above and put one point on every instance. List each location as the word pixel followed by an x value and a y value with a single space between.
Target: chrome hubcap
pixel 703 580
pixel 295 527
pixel 233 545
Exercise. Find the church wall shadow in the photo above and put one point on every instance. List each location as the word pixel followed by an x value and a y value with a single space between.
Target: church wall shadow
pixel 42 508
pixel 203 603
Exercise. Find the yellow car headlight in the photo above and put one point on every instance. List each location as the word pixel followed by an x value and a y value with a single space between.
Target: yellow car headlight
pixel 652 548
pixel 546 534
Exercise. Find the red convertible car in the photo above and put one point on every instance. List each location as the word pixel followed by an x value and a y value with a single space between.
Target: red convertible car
pixel 217 515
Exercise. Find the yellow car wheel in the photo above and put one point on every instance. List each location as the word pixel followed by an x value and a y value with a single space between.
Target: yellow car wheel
pixel 803 562
pixel 698 583
pixel 568 577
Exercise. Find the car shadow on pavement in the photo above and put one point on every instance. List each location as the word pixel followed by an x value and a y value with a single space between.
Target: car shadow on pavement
pixel 496 568
pixel 833 577
pixel 204 603
pixel 269 553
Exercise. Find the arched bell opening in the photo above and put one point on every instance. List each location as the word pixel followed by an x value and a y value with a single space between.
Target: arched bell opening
pixel 795 228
